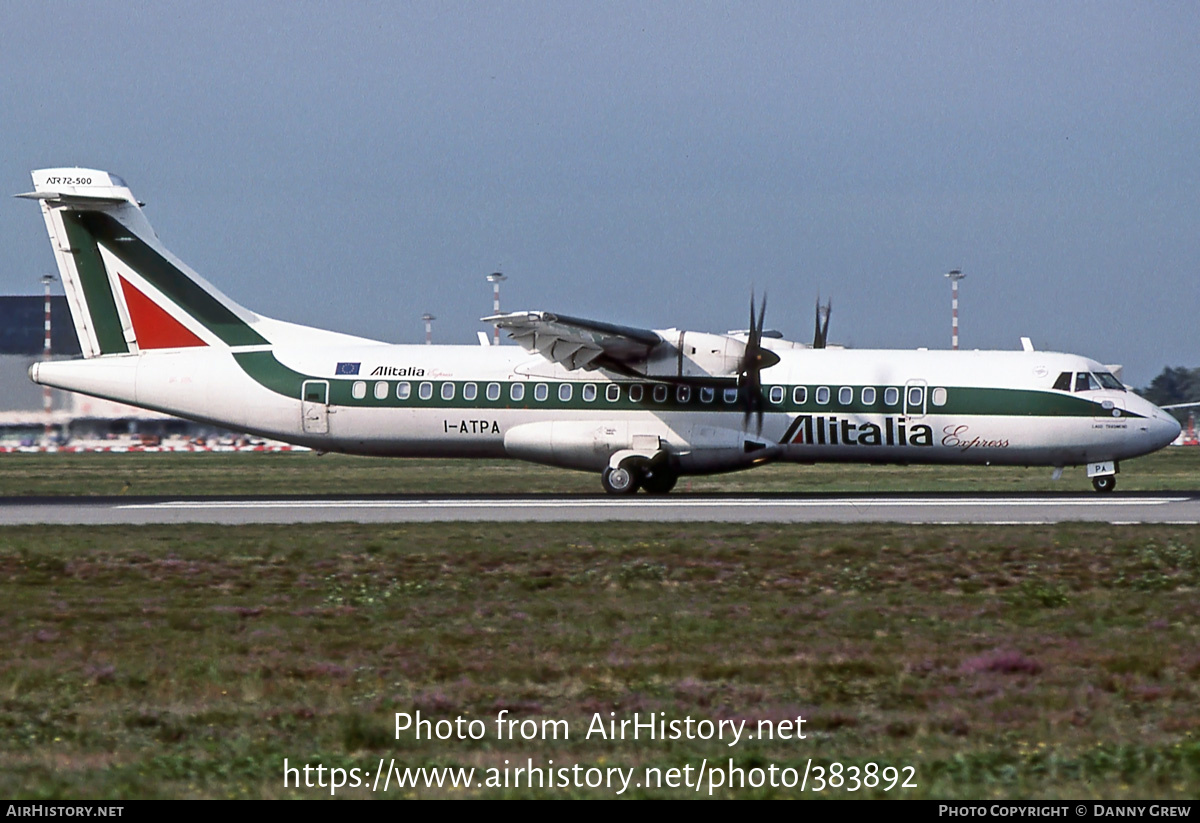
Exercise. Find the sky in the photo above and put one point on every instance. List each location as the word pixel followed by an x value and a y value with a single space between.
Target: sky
pixel 355 165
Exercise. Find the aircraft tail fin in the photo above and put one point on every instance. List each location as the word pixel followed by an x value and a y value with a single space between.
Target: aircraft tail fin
pixel 126 292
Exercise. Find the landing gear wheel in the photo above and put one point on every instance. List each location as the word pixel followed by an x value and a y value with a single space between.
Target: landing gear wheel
pixel 1104 482
pixel 659 481
pixel 621 480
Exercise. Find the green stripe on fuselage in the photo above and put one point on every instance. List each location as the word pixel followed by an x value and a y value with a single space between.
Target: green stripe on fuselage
pixel 97 293
pixel 1015 402
pixel 266 370
pixel 269 373
pixel 164 276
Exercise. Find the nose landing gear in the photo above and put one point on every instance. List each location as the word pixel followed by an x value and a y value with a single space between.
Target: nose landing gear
pixel 1103 474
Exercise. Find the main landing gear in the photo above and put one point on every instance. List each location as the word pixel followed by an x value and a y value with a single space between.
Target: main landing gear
pixel 633 473
pixel 623 479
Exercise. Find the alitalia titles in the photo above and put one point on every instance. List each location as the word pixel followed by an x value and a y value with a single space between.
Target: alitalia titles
pixel 397 371
pixel 822 430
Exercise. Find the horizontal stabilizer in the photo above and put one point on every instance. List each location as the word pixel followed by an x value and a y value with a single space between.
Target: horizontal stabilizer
pixel 70 199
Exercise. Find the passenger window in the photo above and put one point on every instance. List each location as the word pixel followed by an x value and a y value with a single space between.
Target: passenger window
pixel 493 391
pixel 707 395
pixel 540 392
pixel 469 391
pixel 1063 383
pixel 800 395
pixel 517 392
pixel 683 394
pixel 868 396
pixel 565 390
pixel 731 395
pixel 938 397
pixel 915 397
pixel 660 393
pixel 589 392
pixel 822 395
pixel 845 395
pixel 425 391
pixel 403 390
pixel 447 391
pixel 635 392
pixel 776 394
pixel 891 395
pixel 613 393
pixel 359 390
pixel 381 390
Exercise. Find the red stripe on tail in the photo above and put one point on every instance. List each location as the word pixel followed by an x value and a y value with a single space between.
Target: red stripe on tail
pixel 155 329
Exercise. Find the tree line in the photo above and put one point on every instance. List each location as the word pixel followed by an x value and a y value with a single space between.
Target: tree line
pixel 1174 385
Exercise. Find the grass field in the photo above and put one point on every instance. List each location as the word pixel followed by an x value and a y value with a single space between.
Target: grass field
pixel 190 661
pixel 219 474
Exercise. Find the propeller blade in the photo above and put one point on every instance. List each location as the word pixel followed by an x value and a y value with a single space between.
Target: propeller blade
pixel 821 331
pixel 750 340
pixel 754 360
pixel 818 343
pixel 762 318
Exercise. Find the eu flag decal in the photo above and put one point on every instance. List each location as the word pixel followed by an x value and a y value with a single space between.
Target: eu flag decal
pixel 347 368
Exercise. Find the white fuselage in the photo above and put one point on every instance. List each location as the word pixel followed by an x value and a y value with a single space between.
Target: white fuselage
pixel 984 407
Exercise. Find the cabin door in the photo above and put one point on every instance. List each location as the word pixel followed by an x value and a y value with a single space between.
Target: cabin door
pixel 314 406
pixel 915 398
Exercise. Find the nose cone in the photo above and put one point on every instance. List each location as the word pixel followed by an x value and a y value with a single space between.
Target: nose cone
pixel 1167 427
pixel 1158 427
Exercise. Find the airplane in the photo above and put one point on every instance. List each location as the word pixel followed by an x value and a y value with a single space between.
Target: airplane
pixel 640 407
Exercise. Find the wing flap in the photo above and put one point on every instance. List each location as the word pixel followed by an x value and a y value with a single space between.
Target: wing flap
pixel 576 343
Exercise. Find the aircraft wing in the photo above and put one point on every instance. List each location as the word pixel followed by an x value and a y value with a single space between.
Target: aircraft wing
pixel 576 343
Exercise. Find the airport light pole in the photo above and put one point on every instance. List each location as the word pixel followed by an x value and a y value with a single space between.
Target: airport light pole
pixel 47 279
pixel 954 276
pixel 494 278
pixel 428 318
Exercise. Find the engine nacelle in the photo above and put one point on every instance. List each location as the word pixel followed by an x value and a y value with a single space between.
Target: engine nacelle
pixel 695 354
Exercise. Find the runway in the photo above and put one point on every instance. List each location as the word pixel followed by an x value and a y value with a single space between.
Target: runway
pixel 1035 508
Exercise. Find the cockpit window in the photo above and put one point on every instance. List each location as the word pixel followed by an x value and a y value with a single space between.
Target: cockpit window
pixel 1084 382
pixel 1109 380
pixel 1063 383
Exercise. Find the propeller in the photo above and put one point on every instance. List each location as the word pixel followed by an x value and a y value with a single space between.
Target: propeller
pixel 754 360
pixel 821 333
